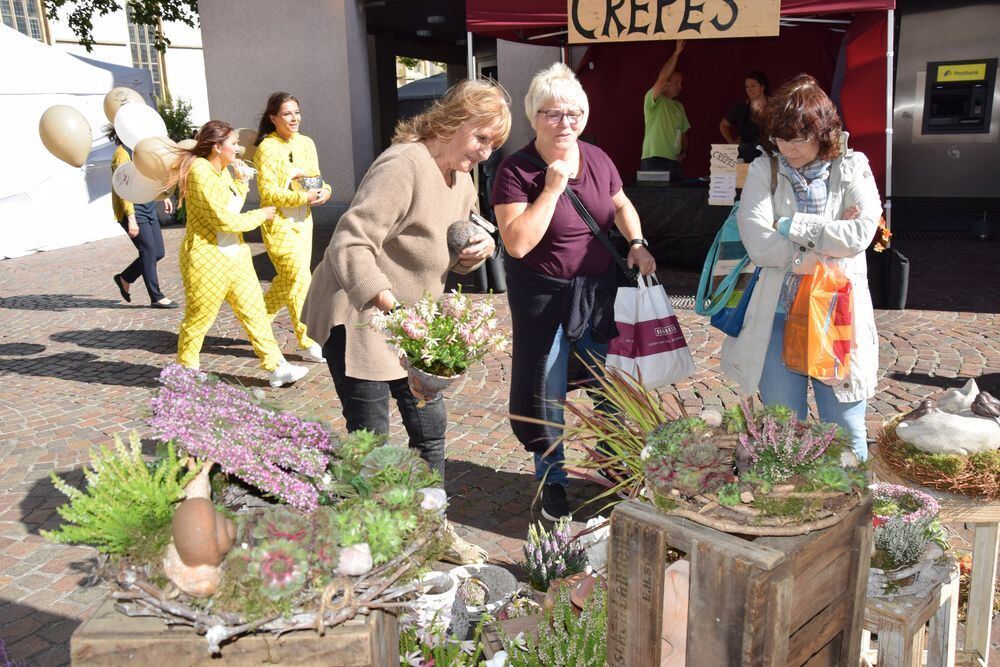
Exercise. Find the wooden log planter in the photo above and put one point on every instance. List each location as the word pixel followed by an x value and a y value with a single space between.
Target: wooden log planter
pixel 796 600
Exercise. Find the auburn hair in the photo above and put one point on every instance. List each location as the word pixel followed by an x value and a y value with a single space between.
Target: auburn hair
pixel 211 133
pixel 799 109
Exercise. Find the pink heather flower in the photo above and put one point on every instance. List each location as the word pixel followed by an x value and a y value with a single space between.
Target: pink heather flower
pixel 414 327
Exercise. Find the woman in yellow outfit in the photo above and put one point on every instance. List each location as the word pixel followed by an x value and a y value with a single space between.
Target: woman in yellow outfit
pixel 282 156
pixel 216 264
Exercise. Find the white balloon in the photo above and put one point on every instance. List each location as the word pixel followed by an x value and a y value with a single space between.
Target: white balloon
pixel 129 184
pixel 135 122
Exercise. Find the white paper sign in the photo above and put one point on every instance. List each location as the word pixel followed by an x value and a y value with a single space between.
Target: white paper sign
pixel 722 188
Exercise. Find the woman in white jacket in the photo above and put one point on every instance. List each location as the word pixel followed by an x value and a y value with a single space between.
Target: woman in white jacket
pixel 826 205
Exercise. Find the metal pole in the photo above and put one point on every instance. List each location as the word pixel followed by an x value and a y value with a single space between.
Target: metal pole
pixel 470 58
pixel 889 56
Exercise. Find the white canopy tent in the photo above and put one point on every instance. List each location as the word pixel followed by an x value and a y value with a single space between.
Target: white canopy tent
pixel 45 203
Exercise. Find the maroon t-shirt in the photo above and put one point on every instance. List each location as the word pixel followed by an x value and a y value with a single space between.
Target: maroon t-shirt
pixel 569 248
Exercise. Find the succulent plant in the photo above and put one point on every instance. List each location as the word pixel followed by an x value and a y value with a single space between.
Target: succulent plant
pixel 832 477
pixel 733 419
pixel 281 566
pixel 729 495
pixel 668 437
pixel 399 497
pixel 388 456
pixel 696 467
pixel 359 444
pixel 350 527
pixel 385 534
pixel 283 523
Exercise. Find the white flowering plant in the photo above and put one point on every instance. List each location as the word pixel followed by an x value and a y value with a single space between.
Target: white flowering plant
pixel 443 336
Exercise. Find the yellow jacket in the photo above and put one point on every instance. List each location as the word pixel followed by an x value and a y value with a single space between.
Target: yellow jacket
pixel 213 202
pixel 276 160
pixel 120 206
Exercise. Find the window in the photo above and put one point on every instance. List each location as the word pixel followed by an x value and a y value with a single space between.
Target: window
pixel 142 39
pixel 25 16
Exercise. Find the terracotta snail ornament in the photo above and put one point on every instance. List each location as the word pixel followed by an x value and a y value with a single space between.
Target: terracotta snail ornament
pixel 202 537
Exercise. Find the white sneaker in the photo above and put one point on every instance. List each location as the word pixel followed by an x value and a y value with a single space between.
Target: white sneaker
pixel 286 373
pixel 313 353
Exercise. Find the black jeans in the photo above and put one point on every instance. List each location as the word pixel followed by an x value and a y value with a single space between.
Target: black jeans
pixel 149 243
pixel 366 405
pixel 662 164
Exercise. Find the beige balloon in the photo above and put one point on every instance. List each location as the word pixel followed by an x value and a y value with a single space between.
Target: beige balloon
pixel 155 156
pixel 247 137
pixel 187 144
pixel 66 134
pixel 117 97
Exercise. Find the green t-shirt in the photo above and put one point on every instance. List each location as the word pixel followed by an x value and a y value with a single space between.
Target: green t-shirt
pixel 665 123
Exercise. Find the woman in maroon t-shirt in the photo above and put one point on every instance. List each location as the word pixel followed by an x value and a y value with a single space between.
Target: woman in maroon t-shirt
pixel 556 265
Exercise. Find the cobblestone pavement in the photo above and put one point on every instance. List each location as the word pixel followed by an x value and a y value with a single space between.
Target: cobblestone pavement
pixel 77 366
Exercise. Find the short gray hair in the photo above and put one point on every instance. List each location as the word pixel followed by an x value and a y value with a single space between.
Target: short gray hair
pixel 556 82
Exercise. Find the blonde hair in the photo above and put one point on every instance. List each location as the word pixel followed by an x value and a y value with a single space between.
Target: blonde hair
pixel 556 82
pixel 483 102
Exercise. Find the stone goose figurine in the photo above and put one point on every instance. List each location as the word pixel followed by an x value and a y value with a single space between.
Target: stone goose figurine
pixel 940 432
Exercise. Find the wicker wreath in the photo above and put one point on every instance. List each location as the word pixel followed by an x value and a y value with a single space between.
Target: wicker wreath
pixel 976 475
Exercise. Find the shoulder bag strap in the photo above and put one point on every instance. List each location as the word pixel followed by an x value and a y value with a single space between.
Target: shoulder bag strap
pixel 587 218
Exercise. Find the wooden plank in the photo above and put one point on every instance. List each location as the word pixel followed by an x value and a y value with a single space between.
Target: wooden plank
pixel 828 656
pixel 111 638
pixel 941 633
pixel 590 21
pixel 636 556
pixel 857 585
pixel 981 588
pixel 817 632
pixel 716 606
pixel 777 619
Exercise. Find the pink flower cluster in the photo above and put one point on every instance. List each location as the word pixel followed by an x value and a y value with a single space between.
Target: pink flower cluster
pixel 212 420
pixel 929 507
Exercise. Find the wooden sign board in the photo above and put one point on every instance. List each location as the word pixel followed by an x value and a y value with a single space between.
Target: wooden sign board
pixel 591 21
pixel 722 188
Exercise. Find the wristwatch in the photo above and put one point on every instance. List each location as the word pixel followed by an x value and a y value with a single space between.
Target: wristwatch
pixel 643 242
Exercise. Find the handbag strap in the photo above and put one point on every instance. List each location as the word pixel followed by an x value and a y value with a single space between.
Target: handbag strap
pixel 587 218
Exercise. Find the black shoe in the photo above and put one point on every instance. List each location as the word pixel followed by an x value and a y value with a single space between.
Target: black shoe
pixel 120 284
pixel 554 505
pixel 160 304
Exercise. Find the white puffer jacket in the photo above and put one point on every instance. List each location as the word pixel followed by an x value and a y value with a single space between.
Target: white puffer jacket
pixel 850 183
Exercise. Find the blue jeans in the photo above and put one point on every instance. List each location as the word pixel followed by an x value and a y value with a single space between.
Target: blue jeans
pixel 780 386
pixel 550 467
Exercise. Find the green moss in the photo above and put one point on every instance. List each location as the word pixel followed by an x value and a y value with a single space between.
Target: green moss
pixel 240 592
pixel 793 507
pixel 729 495
pixel 949 464
pixel 986 462
pixel 663 502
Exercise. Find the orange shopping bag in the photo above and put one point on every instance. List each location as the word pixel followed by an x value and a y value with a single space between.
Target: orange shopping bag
pixel 819 327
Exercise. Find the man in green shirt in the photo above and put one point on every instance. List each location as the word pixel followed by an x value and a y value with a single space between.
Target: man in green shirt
pixel 664 145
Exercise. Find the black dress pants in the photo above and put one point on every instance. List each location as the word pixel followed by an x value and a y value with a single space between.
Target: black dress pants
pixel 149 243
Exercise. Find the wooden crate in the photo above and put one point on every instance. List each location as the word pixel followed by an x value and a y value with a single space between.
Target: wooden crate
pixel 111 638
pixel 765 601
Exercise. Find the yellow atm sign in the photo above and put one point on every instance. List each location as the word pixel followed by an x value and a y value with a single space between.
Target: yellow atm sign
pixel 963 72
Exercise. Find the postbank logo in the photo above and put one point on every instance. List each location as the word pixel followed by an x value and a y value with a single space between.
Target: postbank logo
pixel 965 72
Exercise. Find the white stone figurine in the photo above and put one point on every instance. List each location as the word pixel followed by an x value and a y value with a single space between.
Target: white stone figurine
pixel 959 401
pixel 939 432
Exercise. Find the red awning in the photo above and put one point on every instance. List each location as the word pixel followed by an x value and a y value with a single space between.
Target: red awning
pixel 517 20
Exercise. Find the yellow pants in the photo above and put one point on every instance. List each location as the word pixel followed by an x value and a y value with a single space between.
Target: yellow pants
pixel 211 277
pixel 289 245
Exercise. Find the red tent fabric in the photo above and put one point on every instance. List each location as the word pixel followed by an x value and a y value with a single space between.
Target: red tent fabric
pixel 517 20
pixel 617 75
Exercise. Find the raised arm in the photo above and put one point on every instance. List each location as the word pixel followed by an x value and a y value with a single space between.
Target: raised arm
pixel 668 69
pixel 523 224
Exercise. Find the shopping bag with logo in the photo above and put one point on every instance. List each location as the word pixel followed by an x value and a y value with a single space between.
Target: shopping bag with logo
pixel 819 326
pixel 729 320
pixel 650 344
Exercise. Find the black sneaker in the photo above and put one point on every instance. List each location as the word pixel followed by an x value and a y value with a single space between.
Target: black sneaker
pixel 554 505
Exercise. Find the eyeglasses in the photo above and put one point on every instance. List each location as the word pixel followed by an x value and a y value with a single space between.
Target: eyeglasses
pixel 791 142
pixel 555 116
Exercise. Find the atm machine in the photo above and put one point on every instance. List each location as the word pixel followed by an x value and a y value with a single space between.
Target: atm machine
pixel 946 117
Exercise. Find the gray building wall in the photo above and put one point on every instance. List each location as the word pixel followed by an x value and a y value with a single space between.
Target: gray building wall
pixel 317 51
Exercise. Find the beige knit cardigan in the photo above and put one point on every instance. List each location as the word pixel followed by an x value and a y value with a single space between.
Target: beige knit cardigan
pixel 393 237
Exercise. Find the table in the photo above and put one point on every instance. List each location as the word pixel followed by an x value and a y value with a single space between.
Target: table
pixel 984 518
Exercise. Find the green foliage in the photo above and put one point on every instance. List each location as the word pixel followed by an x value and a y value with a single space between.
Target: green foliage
pixel 729 495
pixel 899 543
pixel 126 502
pixel 433 646
pixel 176 115
pixel 690 466
pixel 831 477
pixel 563 637
pixel 733 419
pixel 949 464
pixel 141 12
pixel 782 507
pixel 668 437
pixel 241 592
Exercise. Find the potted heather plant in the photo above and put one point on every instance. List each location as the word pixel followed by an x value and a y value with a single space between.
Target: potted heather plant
pixel 438 340
pixel 550 556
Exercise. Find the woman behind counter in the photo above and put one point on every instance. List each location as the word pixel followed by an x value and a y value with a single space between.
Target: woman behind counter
pixel 283 155
pixel 561 280
pixel 389 248
pixel 216 264
pixel 826 205
pixel 742 123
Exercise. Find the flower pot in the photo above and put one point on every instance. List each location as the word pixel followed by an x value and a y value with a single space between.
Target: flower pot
pixel 915 578
pixel 426 386
pixel 434 605
pixel 500 584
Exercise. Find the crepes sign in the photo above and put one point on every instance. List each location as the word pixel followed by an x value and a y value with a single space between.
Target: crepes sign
pixel 643 20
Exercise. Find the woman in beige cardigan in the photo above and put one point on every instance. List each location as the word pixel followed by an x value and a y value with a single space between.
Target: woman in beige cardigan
pixel 390 247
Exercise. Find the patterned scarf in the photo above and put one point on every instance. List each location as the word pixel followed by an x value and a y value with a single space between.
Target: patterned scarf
pixel 808 183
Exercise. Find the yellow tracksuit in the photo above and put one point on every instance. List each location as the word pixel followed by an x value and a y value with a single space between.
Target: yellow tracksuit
pixel 288 237
pixel 217 265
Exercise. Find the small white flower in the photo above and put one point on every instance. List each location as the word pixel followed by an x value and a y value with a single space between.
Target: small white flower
pixel 499 659
pixel 520 642
pixel 434 499
pixel 645 453
pixel 412 659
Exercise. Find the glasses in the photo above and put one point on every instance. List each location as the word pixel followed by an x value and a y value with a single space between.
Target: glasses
pixel 555 116
pixel 790 142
